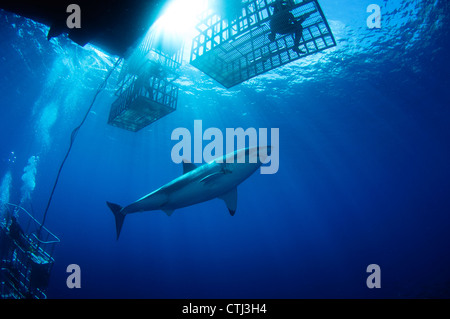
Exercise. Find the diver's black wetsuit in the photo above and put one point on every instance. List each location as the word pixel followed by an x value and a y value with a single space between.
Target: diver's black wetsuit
pixel 284 22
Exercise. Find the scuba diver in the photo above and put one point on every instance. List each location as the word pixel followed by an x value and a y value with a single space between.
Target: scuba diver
pixel 284 22
pixel 16 233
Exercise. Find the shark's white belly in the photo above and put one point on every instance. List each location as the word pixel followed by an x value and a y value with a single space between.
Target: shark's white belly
pixel 194 194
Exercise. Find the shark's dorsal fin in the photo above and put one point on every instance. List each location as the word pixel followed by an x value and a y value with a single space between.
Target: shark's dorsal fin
pixel 188 166
pixel 230 200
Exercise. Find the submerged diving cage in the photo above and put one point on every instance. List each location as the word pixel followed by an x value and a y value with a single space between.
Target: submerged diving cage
pixel 26 249
pixel 146 91
pixel 236 48
pixel 142 101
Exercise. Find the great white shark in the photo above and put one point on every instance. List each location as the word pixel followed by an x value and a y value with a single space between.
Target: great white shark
pixel 216 179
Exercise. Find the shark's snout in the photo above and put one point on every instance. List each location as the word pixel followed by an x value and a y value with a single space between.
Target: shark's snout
pixel 257 154
pixel 264 152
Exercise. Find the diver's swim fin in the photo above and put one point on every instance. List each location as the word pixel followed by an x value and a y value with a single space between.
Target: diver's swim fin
pixel 119 217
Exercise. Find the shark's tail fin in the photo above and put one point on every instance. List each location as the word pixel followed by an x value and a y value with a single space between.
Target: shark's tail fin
pixel 118 215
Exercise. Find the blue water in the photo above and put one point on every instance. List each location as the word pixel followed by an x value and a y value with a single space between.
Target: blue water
pixel 364 172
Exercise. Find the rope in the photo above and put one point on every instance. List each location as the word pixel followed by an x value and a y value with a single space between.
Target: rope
pixel 72 140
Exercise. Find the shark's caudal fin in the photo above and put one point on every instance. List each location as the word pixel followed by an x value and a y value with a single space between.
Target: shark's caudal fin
pixel 119 217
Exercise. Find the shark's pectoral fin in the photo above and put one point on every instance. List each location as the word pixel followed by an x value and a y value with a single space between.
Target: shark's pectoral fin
pixel 168 211
pixel 230 200
pixel 187 167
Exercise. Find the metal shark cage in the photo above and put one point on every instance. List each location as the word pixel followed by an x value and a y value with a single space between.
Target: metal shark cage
pixel 146 90
pixel 25 255
pixel 232 50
